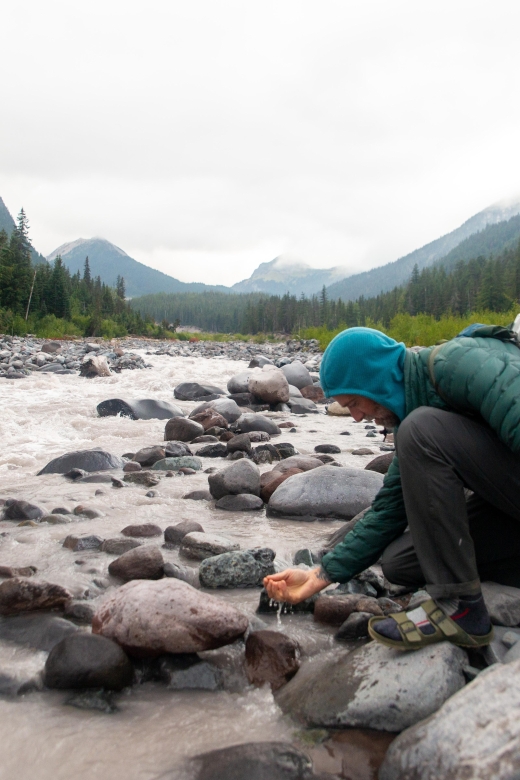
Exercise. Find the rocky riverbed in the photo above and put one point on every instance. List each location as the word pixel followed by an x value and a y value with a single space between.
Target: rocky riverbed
pixel 134 635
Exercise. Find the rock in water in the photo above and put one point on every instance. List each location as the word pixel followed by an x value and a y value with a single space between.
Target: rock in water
pixel 475 735
pixel 248 423
pixel 237 569
pixel 94 365
pixel 41 631
pixel 192 391
pixel 87 460
pixel 209 418
pixel 88 661
pixel 271 657
pixel 375 687
pixel 198 545
pixel 242 503
pixel 174 534
pixel 240 443
pixel 302 462
pixel 239 383
pixel 228 408
pixel 328 448
pixel 326 492
pixel 381 464
pixel 142 530
pixel 169 616
pixel 142 409
pixel 270 480
pixel 119 546
pixel 77 542
pixel 270 385
pixel 140 563
pixel 21 510
pixel 21 595
pixel 174 464
pixel 251 761
pixel 182 429
pixel 147 456
pixel 297 374
pixel 241 477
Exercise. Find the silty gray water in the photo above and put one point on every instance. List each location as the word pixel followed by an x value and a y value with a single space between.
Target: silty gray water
pixel 45 416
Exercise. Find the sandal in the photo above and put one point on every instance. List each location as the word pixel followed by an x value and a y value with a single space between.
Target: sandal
pixel 413 638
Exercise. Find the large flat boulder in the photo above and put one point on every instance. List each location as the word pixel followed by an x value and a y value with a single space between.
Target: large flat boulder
pixel 375 687
pixel 269 384
pixel 141 409
pixel 193 391
pixel 87 460
pixel 328 491
pixel 475 735
pixel 167 616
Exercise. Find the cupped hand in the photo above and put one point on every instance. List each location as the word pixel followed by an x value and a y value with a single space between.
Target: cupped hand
pixel 294 585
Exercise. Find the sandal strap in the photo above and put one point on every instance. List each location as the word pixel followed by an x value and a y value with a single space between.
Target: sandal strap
pixel 436 616
pixel 407 627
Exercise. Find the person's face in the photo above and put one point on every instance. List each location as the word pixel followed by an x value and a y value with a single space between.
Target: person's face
pixel 362 408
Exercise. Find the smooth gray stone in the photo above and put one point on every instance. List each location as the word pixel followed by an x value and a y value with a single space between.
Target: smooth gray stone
pixel 297 374
pixel 174 534
pixel 475 735
pixel 251 761
pixel 302 406
pixel 327 448
pixel 88 661
pixel 239 383
pixel 257 422
pixel 326 492
pixel 259 361
pixel 177 449
pixel 241 503
pixel 213 451
pixel 15 509
pixel 503 603
pixel 201 545
pixel 375 687
pixel 294 392
pixel 198 495
pixel 174 464
pixel 181 672
pixel 243 476
pixel 354 627
pixel 192 391
pixel 87 460
pixel 41 631
pixel 143 409
pixel 184 573
pixel 242 569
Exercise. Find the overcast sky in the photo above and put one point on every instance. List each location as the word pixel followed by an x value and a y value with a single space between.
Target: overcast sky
pixel 206 136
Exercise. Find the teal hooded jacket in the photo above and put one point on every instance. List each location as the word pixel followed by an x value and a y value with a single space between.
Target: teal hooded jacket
pixel 476 376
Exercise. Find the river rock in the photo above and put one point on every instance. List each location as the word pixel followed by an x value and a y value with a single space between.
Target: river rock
pixel 94 365
pixel 375 687
pixel 142 531
pixel 302 462
pixel 302 406
pixel 239 383
pixel 269 384
pixel 251 761
pixel 198 545
pixel 354 627
pixel 184 573
pixel 198 495
pixel 259 361
pixel 334 610
pixel 270 480
pixel 15 509
pixel 257 422
pixel 326 492
pixel 147 456
pixel 240 443
pixel 141 563
pixel 142 409
pixel 40 631
pixel 183 672
pixel 20 571
pixel 242 569
pixel 119 546
pixel 241 503
pixel 209 418
pixel 475 735
pixel 271 657
pixel 327 448
pixel 228 408
pixel 88 661
pixel 174 534
pixel 313 393
pixel 192 391
pixel 339 411
pixel 381 464
pixel 503 603
pixel 294 392
pixel 182 429
pixel 259 436
pixel 168 616
pixel 51 347
pixel 22 595
pixel 213 451
pixel 87 460
pixel 241 477
pixel 78 542
pixel 132 467
pixel 174 464
pixel 297 375
pixel 146 478
pixel 363 451
pixel 80 612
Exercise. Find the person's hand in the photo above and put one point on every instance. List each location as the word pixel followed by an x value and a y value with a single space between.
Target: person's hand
pixel 295 585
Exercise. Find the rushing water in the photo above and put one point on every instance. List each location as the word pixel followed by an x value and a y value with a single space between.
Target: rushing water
pixel 154 729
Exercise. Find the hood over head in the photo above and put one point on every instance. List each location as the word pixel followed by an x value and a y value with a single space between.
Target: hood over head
pixel 363 361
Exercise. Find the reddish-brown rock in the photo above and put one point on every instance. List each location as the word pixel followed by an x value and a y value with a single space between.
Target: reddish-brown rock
pixel 141 563
pixel 313 393
pixel 271 657
pixel 169 616
pixel 334 610
pixel 21 595
pixel 143 530
pixel 209 418
pixel 267 490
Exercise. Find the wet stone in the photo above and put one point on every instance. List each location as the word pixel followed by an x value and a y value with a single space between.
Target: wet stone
pixel 22 595
pixel 131 466
pixel 141 563
pixel 174 464
pixel 142 531
pixel 354 627
pixel 56 519
pixel 6 572
pixel 84 660
pixel 82 542
pixel 362 451
pixel 147 456
pixel 241 477
pixel 99 700
pixel 174 534
pixel 213 451
pixel 79 611
pixel 241 503
pixel 305 556
pixel 146 478
pixel 118 546
pixel 177 449
pixel 182 429
pixel 21 510
pixel 271 657
pixel 184 573
pixel 327 448
pixel 86 511
pixel 198 495
pixel 334 610
pixel 267 606
pixel 40 631
pixel 242 569
pixel 252 761
pixel 187 671
pixel 198 546
pixel 87 460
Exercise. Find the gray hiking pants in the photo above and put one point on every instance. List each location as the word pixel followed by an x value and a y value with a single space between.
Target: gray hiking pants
pixel 454 542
